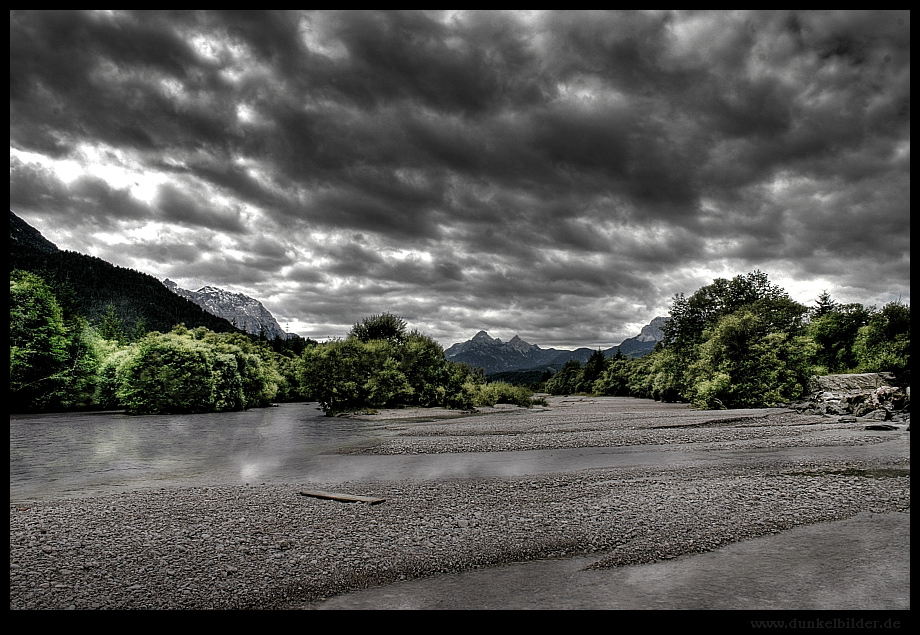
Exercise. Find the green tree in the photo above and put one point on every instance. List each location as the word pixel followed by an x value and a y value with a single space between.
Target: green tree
pixel 380 365
pixel 254 362
pixel 614 380
pixel 111 327
pixel 742 364
pixel 834 330
pixel 824 304
pixel 567 380
pixel 761 309
pixel 691 317
pixel 884 343
pixel 665 381
pixel 463 388
pixel 168 373
pixel 335 374
pixel 591 371
pixel 421 361
pixel 385 326
pixel 85 352
pixel 109 375
pixel 38 344
pixel 53 359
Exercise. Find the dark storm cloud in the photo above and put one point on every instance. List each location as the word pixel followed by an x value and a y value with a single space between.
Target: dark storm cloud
pixel 566 172
pixel 90 75
pixel 86 200
pixel 179 255
pixel 187 206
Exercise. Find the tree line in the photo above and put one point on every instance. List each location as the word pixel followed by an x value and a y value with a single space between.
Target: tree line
pixel 745 343
pixel 732 344
pixel 60 361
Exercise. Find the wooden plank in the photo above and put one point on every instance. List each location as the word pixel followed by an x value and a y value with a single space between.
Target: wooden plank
pixel 344 498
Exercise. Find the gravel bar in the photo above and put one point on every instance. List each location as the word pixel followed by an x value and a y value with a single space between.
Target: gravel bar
pixel 245 547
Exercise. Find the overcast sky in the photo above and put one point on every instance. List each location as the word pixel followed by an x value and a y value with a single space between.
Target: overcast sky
pixel 555 175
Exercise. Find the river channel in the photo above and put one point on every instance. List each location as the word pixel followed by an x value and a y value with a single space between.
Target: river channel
pixel 632 476
pixel 67 455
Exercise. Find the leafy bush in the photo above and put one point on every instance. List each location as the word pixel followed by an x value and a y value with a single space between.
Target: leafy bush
pixel 614 379
pixel 502 392
pixel 169 373
pixel 884 343
pixel 381 366
pixel 742 365
pixel 189 371
pixel 732 344
pixel 834 329
pixel 107 382
pixel 253 361
pixel 567 380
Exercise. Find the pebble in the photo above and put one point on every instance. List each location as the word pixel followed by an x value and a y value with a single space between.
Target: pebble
pixel 266 546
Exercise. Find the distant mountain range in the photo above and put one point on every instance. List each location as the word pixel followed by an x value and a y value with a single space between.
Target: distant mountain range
pixel 495 356
pixel 240 310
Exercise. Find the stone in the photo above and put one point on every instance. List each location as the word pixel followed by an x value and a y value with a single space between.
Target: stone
pixel 864 395
pixel 852 383
pixel 877 415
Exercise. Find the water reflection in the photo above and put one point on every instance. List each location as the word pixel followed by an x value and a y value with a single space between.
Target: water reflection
pixel 63 455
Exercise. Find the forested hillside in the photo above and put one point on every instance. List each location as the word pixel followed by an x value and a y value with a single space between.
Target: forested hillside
pixel 88 286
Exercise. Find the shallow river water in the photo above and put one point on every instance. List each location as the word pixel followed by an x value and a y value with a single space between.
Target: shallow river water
pixel 86 454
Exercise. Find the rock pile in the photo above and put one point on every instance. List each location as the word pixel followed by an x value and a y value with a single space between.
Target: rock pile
pixel 867 396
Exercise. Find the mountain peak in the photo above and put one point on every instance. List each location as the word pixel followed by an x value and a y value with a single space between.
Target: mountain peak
pixel 483 337
pixel 242 311
pixel 520 345
pixel 652 332
pixel 492 355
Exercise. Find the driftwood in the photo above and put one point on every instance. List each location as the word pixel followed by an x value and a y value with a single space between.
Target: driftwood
pixel 344 498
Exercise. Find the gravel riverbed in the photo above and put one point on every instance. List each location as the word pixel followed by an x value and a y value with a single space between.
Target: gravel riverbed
pixel 267 546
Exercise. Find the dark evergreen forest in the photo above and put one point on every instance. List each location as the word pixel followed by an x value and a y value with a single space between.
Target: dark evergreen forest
pixel 88 286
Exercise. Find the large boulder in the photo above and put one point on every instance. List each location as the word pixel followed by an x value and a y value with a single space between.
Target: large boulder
pixel 855 383
pixel 869 396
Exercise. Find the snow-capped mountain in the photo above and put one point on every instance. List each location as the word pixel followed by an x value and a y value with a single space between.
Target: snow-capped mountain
pixel 240 310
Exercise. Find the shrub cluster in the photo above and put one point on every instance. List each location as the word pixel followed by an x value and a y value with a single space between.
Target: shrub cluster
pixel 59 362
pixel 190 371
pixel 381 365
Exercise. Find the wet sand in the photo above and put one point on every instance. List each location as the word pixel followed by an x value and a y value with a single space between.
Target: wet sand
pixel 857 564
